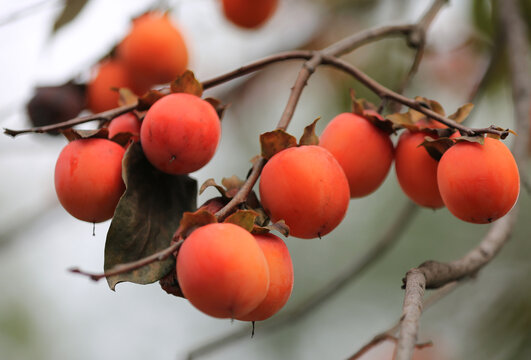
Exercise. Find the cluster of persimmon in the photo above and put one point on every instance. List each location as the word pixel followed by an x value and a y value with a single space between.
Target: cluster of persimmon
pixel 179 135
pixel 309 187
pixel 154 52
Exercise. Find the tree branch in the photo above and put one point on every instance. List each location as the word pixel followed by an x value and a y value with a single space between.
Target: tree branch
pixel 391 332
pixel 127 267
pixel 433 274
pixel 386 93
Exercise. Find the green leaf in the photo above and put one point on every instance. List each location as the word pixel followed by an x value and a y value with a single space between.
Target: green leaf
pixel 146 217
pixel 70 11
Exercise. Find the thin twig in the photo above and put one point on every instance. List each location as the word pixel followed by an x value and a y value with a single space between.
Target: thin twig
pixel 403 219
pixel 128 267
pixel 433 274
pixel 384 92
pixel 391 332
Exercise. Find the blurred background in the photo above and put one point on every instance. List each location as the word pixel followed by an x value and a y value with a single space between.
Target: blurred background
pixel 49 313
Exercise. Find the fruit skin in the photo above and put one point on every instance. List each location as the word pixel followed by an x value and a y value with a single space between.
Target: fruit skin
pixel 222 271
pixel 88 178
pixel 364 151
pixel 125 123
pixel 307 188
pixel 180 133
pixel 154 51
pixel 416 170
pixel 280 277
pixel 249 14
pixel 100 94
pixel 478 183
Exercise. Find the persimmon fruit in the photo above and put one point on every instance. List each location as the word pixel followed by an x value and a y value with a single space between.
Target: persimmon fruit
pixel 180 133
pixel 101 90
pixel 222 271
pixel 478 183
pixel 125 123
pixel 364 151
pixel 416 170
pixel 88 178
pixel 154 51
pixel 306 187
pixel 280 277
pixel 249 14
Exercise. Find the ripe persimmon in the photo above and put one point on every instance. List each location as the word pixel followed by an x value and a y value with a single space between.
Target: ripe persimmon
pixel 280 277
pixel 88 178
pixel 364 151
pixel 416 170
pixel 154 51
pixel 180 133
pixel 249 14
pixel 306 187
pixel 478 183
pixel 222 271
pixel 125 123
pixel 101 90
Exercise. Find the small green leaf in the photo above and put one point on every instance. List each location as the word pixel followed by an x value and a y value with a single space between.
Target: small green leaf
pixel 187 83
pixel 309 137
pixel 70 11
pixel 146 217
pixel 243 218
pixel 275 141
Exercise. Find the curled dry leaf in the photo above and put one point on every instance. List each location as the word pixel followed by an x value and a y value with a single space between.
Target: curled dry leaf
pixel 279 226
pixel 73 134
pixel 244 218
pixel 462 113
pixel 218 106
pixel 170 284
pixel 275 141
pixel 480 139
pixel 148 99
pixel 309 137
pixel 228 189
pixel 192 220
pixel 430 104
pixel 187 83
pixel 437 147
pixel 127 97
